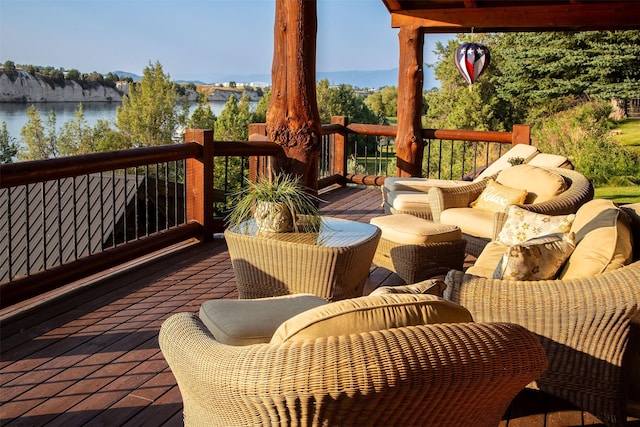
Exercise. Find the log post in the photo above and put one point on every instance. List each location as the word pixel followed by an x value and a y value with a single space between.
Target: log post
pixel 199 182
pixel 409 142
pixel 293 120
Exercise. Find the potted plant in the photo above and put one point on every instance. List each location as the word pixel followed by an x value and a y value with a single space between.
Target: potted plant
pixel 278 204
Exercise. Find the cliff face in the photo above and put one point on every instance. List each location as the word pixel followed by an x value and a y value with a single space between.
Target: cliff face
pixel 24 87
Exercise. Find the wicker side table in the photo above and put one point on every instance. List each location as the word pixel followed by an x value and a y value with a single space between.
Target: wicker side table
pixel 333 264
pixel 417 249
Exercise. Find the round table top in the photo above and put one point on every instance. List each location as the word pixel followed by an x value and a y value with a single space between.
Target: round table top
pixel 334 232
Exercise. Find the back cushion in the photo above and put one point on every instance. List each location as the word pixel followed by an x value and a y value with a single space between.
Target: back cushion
pixel 370 313
pixel 541 184
pixel 603 240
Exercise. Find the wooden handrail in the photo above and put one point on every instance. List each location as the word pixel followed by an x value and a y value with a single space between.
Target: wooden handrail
pixel 23 173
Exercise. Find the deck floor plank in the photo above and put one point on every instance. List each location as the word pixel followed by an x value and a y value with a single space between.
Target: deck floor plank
pixel 90 356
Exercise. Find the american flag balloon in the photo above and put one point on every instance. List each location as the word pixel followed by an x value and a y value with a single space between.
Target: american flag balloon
pixel 471 60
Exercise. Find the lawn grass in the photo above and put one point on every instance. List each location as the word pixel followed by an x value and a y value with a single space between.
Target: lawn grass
pixel 620 195
pixel 629 135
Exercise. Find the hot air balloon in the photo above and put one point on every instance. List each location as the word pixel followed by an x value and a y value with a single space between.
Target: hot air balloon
pixel 471 60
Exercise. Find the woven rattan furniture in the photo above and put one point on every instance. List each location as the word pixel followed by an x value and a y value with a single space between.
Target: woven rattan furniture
pixel 588 327
pixel 417 249
pixel 333 264
pixel 453 374
pixel 579 191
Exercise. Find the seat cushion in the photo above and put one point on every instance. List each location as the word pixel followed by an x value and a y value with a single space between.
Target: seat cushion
pixel 496 197
pixel 524 151
pixel 370 313
pixel 547 160
pixel 603 240
pixel 540 184
pixel 411 230
pixel 411 201
pixel 474 222
pixel 253 321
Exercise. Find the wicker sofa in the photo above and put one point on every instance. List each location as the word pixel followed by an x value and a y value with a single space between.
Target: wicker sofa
pixel 453 205
pixel 407 372
pixel 588 325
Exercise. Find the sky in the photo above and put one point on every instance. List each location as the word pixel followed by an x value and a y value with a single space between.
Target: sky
pixel 191 39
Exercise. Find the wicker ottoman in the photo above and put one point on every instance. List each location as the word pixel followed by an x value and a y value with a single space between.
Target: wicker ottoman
pixel 417 249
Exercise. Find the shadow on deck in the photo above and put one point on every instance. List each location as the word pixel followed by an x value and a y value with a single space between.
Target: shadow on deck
pixel 90 356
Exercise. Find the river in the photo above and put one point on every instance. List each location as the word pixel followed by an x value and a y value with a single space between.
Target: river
pixel 15 114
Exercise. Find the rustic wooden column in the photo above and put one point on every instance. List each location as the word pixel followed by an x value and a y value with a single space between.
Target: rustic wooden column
pixel 293 120
pixel 409 143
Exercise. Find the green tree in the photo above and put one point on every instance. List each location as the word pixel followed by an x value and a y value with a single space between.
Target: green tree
pixel 39 143
pixel 260 114
pixel 384 102
pixel 151 112
pixel 548 71
pixel 73 74
pixel 8 145
pixel 105 138
pixel 456 105
pixel 342 100
pixel 233 123
pixel 202 117
pixel 76 136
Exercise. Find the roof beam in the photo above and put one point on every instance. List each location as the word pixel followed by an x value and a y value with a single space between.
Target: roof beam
pixel 567 17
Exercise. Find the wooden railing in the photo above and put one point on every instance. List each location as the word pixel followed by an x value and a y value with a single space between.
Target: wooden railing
pixel 68 218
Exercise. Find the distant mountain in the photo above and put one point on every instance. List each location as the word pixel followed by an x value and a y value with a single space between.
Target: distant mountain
pixel 373 79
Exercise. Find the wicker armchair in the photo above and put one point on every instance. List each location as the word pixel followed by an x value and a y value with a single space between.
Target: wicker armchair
pixel 588 326
pixel 450 374
pixel 579 191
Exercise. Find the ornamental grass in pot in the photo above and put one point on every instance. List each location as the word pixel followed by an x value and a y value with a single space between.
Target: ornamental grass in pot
pixel 279 204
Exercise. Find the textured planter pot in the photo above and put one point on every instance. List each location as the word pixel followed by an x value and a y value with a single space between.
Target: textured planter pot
pixel 273 217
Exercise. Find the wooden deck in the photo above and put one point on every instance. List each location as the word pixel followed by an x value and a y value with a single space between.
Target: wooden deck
pixel 90 355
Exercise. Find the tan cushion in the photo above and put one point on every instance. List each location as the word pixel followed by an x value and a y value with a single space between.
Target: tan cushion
pixel 525 151
pixel 547 160
pixel 412 201
pixel 522 225
pixel 370 313
pixel 488 259
pixel 603 240
pixel 633 211
pixel 539 258
pixel 405 228
pixel 474 222
pixel 496 197
pixel 253 321
pixel 419 184
pixel 541 184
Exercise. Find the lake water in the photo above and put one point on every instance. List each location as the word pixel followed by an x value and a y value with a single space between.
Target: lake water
pixel 15 115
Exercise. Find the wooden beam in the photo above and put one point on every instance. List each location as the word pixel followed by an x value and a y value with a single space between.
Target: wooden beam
pixel 567 17
pixel 293 120
pixel 409 142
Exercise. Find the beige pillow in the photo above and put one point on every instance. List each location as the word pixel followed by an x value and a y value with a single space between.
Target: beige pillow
pixel 603 240
pixel 537 259
pixel 541 184
pixel 486 262
pixel 496 197
pixel 522 225
pixel 370 313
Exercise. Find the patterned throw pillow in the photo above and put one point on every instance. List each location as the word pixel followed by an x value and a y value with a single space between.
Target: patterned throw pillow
pixel 522 225
pixel 495 197
pixel 537 259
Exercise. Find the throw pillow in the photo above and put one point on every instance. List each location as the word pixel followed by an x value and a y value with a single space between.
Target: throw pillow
pixel 522 225
pixel 495 197
pixel 537 259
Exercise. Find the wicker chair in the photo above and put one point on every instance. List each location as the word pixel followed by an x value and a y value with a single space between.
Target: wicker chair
pixel 579 191
pixel 588 327
pixel 451 374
